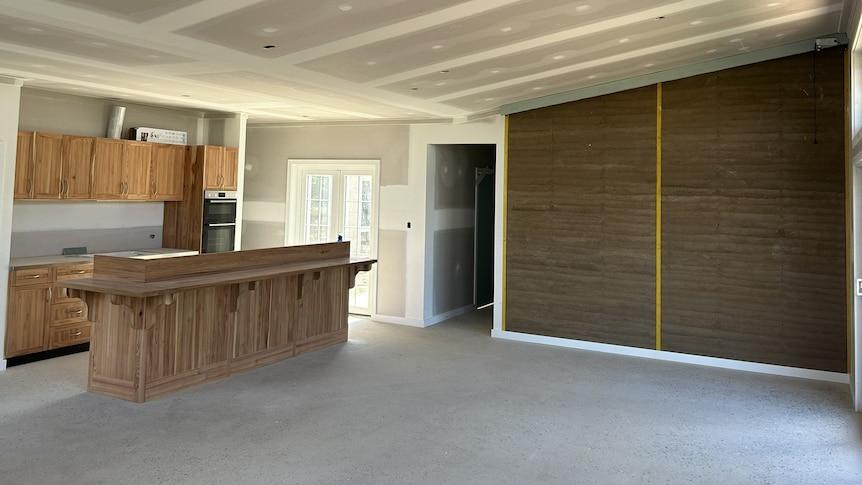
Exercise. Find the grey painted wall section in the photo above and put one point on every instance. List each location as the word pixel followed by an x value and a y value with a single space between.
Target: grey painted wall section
pixel 26 244
pixel 78 115
pixel 267 152
pixel 451 222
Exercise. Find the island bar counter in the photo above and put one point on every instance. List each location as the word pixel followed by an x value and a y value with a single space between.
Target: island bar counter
pixel 161 325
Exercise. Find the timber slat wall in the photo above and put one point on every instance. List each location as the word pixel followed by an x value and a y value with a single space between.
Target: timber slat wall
pixel 581 250
pixel 753 261
pixel 752 220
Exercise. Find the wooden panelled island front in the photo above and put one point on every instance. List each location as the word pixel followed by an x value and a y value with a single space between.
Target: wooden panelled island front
pixel 160 325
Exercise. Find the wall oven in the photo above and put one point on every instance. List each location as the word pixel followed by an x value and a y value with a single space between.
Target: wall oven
pixel 219 221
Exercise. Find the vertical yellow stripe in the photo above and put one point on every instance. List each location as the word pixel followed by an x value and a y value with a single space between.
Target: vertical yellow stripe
pixel 505 215
pixel 658 219
pixel 850 282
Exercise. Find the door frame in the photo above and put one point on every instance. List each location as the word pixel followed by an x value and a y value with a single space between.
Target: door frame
pixel 293 198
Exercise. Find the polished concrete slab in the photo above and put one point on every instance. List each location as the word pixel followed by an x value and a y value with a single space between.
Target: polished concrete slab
pixel 443 405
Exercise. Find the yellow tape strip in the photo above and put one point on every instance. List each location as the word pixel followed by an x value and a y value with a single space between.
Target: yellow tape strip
pixel 505 214
pixel 658 219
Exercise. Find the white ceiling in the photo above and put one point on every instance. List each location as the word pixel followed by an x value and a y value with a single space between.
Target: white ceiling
pixel 348 60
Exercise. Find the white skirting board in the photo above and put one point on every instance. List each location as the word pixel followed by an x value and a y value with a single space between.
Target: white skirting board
pixel 2 365
pixel 415 322
pixel 779 370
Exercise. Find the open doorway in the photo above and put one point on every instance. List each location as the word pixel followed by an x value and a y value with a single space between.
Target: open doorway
pixel 332 199
pixel 460 231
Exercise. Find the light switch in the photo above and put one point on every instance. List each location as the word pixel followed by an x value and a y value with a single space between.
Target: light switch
pixel 859 287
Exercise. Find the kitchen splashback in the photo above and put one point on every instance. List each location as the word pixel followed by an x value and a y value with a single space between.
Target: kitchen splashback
pixel 42 243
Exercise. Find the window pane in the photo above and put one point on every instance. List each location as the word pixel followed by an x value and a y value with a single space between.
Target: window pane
pixel 366 214
pixel 366 188
pixel 314 193
pixel 325 183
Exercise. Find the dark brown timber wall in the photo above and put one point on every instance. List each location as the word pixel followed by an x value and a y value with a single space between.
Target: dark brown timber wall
pixel 753 211
pixel 581 220
pixel 752 216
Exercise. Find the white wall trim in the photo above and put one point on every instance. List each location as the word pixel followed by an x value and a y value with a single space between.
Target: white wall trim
pixel 427 322
pixel 674 357
pixel 2 365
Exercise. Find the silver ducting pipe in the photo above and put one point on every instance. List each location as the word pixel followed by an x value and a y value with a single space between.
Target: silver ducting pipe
pixel 115 121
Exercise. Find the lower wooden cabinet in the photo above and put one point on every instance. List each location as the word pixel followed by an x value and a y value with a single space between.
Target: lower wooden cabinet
pixel 42 317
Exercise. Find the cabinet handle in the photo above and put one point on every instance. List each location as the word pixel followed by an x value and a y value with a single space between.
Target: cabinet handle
pixel 29 187
pixel 79 312
pixel 50 294
pixel 77 334
pixel 32 276
pixel 81 271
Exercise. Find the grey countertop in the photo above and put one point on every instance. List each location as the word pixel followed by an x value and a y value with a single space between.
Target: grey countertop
pixel 15 263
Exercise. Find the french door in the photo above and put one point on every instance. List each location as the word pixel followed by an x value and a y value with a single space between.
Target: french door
pixel 332 198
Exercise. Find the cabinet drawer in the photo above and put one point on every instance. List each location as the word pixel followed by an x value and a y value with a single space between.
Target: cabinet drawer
pixel 74 271
pixel 31 276
pixel 66 335
pixel 73 311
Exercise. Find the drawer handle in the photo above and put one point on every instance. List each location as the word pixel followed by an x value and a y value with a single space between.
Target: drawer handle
pixel 82 271
pixel 77 334
pixel 79 312
pixel 32 276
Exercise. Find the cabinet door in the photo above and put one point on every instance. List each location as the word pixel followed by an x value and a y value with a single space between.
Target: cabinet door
pixel 229 168
pixel 213 167
pixel 47 165
pixel 25 328
pixel 108 169
pixel 77 166
pixel 24 166
pixel 136 169
pixel 167 172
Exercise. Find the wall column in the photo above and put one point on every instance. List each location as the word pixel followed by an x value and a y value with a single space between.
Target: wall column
pixel 10 100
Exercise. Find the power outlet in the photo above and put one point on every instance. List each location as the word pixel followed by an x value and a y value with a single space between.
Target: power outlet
pixel 859 287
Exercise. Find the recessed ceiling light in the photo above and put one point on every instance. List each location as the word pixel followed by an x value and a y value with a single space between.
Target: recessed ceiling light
pixel 506 29
pixel 558 57
pixel 660 17
pixel 436 46
pixel 538 88
pixel 35 29
pixel 773 4
pixel 495 71
pixel 735 40
pixel 444 71
pixel 591 76
pixel 414 89
pixel 696 22
pixel 583 8
pixel 778 36
pixel 270 30
pixel 269 46
pixel 75 88
pixel 712 51
pixel 624 40
pixel 441 83
pixel 186 95
pixel 371 63
pixel 489 99
pixel 345 7
pixel 649 65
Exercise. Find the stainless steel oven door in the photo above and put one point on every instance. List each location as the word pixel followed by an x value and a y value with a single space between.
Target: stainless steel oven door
pixel 219 211
pixel 219 238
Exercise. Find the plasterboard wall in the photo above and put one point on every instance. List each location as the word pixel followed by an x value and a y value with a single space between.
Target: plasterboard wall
pixel 854 29
pixel 9 99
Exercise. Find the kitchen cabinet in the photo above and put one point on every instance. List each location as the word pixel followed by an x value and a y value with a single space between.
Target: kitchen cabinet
pixel 121 169
pixel 137 156
pixel 47 165
pixel 220 168
pixel 77 166
pixel 24 166
pixel 41 316
pixel 167 171
pixel 25 326
pixel 108 169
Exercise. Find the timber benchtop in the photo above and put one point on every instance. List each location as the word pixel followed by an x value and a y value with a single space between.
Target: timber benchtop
pixel 145 278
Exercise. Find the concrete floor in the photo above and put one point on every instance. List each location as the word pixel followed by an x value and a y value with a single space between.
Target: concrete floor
pixel 448 404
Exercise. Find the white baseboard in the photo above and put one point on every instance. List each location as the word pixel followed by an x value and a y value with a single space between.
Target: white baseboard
pixel 779 370
pixel 2 364
pixel 415 322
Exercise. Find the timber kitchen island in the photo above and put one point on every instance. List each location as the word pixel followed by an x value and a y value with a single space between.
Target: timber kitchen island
pixel 164 324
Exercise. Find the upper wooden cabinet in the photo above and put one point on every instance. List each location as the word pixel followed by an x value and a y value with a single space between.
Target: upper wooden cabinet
pixel 108 169
pixel 230 164
pixel 47 166
pixel 166 172
pixel 77 167
pixel 24 166
pixel 136 169
pixel 220 167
